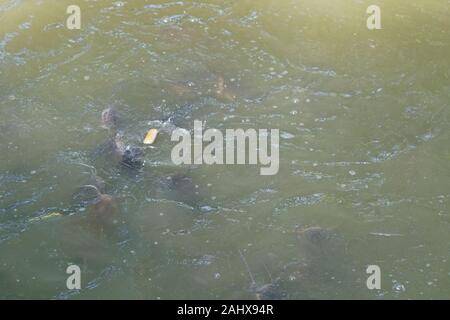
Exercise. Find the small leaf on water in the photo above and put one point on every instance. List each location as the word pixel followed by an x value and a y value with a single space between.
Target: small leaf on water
pixel 151 136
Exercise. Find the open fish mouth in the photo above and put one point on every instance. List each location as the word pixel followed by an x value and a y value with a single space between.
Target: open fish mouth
pixel 109 118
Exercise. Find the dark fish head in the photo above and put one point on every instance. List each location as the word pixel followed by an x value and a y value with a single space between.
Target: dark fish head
pixel 133 156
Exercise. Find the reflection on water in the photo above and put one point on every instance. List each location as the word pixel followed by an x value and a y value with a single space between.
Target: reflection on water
pixel 363 118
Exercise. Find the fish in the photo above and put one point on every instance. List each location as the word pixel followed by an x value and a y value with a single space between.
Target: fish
pixel 103 216
pixel 109 119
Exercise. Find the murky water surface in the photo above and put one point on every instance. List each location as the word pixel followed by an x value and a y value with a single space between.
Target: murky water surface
pixel 364 149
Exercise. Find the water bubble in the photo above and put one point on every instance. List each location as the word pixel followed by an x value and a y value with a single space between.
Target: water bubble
pixel 287 135
pixel 25 25
pixel 398 287
pixel 217 276
pixel 206 208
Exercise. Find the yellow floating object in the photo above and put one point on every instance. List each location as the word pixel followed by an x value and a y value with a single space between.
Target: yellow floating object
pixel 151 136
pixel 47 216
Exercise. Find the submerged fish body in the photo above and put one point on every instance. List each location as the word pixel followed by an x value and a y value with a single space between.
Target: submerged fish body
pixel 316 235
pixel 103 213
pixel 181 188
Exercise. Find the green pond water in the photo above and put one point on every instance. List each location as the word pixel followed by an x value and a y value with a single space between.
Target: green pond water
pixel 364 126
